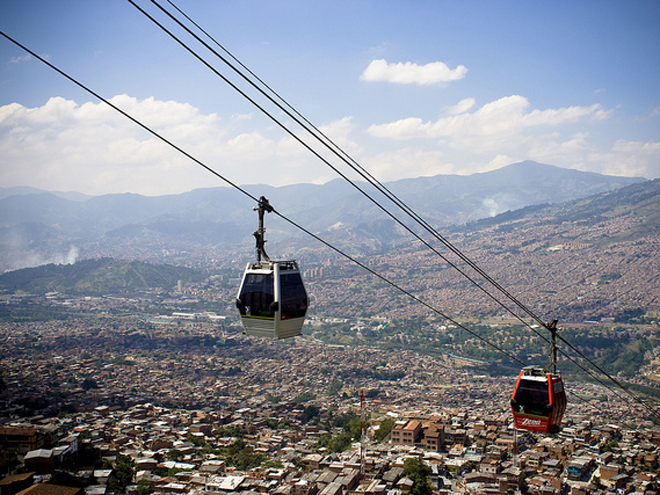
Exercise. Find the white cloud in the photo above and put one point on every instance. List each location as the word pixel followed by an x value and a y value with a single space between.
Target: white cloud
pixel 496 126
pixel 408 162
pixel 340 133
pixel 507 130
pixel 548 149
pixel 93 149
pixel 411 73
pixel 296 158
pixel 498 162
pixel 629 158
pixel 567 115
pixel 461 107
pixel 22 58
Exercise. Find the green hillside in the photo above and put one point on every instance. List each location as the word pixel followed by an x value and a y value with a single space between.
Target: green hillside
pixel 97 277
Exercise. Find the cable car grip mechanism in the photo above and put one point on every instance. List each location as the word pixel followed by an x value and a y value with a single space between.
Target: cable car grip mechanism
pixel 552 365
pixel 264 206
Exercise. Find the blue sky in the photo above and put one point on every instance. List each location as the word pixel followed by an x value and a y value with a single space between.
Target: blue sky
pixel 407 88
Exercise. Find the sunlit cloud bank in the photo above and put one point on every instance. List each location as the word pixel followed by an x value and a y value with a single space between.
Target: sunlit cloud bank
pixel 90 148
pixel 630 158
pixel 509 128
pixel 93 149
pixel 504 118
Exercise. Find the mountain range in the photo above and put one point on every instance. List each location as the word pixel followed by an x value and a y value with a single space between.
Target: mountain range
pixel 39 227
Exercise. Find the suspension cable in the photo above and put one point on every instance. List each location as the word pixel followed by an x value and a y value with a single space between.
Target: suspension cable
pixel 361 171
pixel 347 159
pixel 246 193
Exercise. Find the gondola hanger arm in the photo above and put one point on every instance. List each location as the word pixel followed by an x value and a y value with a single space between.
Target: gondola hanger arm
pixel 264 206
pixel 552 328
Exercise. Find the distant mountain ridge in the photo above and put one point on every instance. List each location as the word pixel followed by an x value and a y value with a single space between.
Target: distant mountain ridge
pixel 641 199
pixel 581 260
pixel 38 227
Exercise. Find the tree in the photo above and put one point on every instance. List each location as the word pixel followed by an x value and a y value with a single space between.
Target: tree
pixel 65 478
pixel 195 440
pixel 418 472
pixel 334 387
pixel 272 463
pixel 304 397
pixel 245 458
pixel 122 475
pixel 351 428
pixel 208 449
pixel 145 487
pixel 309 413
pixel 231 431
pixel 340 443
pixel 175 455
pixel 384 429
pixel 89 383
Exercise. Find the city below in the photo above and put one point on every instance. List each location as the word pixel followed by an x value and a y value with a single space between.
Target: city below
pixel 128 371
pixel 188 404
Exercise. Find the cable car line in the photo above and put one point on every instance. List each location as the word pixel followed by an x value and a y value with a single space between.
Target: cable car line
pixel 338 151
pixel 230 183
pixel 365 174
pixel 256 200
pixel 369 178
pixel 346 158
pixel 326 141
pixel 351 162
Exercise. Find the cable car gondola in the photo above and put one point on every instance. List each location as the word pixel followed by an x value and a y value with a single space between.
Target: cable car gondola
pixel 271 299
pixel 539 399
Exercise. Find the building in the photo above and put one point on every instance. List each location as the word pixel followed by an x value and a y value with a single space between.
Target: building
pixel 21 440
pixel 433 437
pixel 15 483
pixel 406 432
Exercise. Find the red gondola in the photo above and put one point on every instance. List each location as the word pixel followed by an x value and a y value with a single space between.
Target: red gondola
pixel 539 399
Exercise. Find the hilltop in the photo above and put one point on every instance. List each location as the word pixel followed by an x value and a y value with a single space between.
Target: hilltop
pixel 587 259
pixel 98 277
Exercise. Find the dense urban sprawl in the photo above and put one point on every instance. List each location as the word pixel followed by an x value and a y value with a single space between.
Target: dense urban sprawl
pixel 196 407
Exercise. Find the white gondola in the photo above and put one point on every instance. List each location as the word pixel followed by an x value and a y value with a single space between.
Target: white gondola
pixel 271 299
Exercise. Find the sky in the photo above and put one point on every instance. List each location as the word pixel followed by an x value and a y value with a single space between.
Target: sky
pixel 408 89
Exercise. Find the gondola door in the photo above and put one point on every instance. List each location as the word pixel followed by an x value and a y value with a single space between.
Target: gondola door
pixel 256 300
